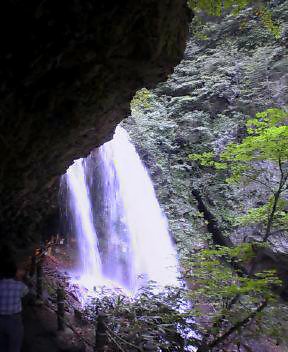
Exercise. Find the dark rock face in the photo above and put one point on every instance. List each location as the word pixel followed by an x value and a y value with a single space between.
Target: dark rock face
pixel 68 70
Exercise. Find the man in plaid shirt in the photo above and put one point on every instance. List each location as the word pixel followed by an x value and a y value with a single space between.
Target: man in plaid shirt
pixel 11 293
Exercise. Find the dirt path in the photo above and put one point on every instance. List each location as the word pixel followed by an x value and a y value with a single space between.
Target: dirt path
pixel 40 321
pixel 41 335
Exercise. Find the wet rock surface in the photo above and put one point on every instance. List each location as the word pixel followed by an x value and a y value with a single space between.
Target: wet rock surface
pixel 68 71
pixel 240 68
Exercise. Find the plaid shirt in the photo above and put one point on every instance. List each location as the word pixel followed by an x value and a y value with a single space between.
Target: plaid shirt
pixel 11 292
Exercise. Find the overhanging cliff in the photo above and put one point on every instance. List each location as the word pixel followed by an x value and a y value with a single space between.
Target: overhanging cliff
pixel 68 70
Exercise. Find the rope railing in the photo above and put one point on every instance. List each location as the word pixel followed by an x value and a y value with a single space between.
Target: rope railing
pixel 100 341
pixel 102 330
pixel 109 333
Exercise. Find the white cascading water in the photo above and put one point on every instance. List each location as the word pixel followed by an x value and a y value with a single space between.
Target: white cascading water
pixel 112 201
pixel 90 263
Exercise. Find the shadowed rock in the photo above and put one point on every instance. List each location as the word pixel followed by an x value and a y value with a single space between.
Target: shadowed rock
pixel 68 70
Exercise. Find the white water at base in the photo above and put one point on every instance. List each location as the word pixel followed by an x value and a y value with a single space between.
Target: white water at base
pixel 125 219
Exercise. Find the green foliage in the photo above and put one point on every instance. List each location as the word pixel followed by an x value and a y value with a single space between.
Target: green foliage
pixel 162 319
pixel 268 22
pixel 212 8
pixel 198 28
pixel 151 319
pixel 205 159
pixel 268 323
pixel 141 100
pixel 260 215
pixel 266 119
pixel 217 283
pixel 229 297
pixel 218 7
pixel 261 158
pixel 267 140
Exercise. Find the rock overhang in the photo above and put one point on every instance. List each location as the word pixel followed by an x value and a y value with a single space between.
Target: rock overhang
pixel 68 71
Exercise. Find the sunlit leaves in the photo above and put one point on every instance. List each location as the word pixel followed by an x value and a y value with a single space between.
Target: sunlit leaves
pixel 261 214
pixel 266 119
pixel 228 297
pixel 267 140
pixel 205 159
pixel 141 100
pixel 215 282
pixel 267 21
pixel 271 144
pixel 222 276
pixel 218 7
pixel 261 158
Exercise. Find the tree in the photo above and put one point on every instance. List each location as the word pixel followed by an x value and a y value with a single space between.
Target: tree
pixel 163 320
pixel 261 158
pixel 227 302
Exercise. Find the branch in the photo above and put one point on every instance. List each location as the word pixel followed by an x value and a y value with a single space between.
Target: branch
pixel 235 327
pixel 280 167
pixel 259 181
pixel 283 177
pixel 277 231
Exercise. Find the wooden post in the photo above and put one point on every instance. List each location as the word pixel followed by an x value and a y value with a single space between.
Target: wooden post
pixel 32 265
pixel 96 330
pixel 60 308
pixel 39 279
pixel 100 333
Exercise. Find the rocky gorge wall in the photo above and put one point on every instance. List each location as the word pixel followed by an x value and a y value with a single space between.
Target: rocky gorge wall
pixel 68 70
pixel 235 68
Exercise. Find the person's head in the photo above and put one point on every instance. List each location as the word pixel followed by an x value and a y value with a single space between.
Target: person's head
pixel 8 269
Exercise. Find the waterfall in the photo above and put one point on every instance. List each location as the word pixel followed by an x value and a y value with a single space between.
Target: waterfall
pixel 122 234
pixel 90 263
